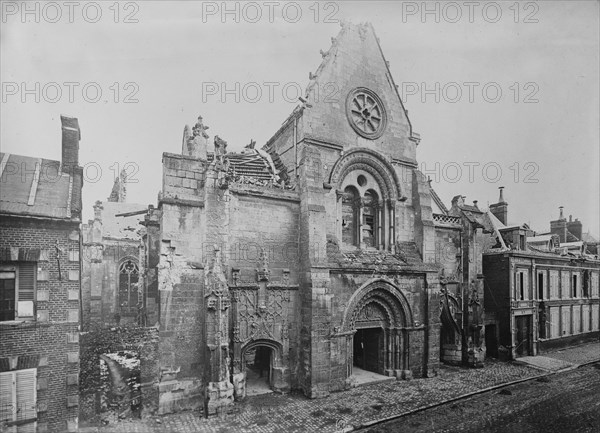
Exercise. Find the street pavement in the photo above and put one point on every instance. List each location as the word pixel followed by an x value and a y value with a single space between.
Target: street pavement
pixel 348 410
pixel 563 359
pixel 556 403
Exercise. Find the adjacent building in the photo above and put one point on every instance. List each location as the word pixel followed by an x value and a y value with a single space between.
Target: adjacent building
pixel 40 215
pixel 541 290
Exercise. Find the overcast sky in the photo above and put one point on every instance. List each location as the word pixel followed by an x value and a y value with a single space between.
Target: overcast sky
pixel 164 63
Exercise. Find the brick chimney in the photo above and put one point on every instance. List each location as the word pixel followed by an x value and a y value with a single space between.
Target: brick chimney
pixel 575 227
pixel 500 209
pixel 559 226
pixel 70 143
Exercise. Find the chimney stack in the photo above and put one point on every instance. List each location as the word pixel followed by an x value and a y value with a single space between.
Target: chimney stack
pixel 475 204
pixel 559 226
pixel 576 228
pixel 70 144
pixel 500 209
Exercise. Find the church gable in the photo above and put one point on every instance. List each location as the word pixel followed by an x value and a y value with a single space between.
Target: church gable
pixel 352 100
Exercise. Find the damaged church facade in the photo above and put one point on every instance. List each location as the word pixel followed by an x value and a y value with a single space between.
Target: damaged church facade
pixel 319 252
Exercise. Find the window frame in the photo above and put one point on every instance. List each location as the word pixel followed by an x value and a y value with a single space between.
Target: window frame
pixel 362 190
pixel 129 310
pixel 16 267
pixel 13 402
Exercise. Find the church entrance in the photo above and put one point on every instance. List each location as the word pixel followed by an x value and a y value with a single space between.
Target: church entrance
pixel 259 370
pixel 368 349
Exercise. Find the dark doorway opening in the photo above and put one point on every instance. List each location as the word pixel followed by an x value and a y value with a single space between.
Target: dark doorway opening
pixel 523 343
pixel 491 342
pixel 368 349
pixel 259 370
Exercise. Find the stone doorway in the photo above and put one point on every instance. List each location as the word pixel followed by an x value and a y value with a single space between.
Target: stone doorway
pixel 491 341
pixel 523 336
pixel 368 349
pixel 258 362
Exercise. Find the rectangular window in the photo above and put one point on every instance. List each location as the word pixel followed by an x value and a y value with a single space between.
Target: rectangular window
pixel 18 395
pixel 554 322
pixel 553 284
pixel 575 281
pixel 576 319
pixel 565 323
pixel 540 285
pixel 595 317
pixel 594 285
pixel 521 286
pixel 585 318
pixel 17 291
pixel 565 284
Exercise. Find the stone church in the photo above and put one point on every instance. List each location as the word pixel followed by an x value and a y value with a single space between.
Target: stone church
pixel 310 259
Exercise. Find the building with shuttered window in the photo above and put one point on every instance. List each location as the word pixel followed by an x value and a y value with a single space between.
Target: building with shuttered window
pixel 40 213
pixel 541 291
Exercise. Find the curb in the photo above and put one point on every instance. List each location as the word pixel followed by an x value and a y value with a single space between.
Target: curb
pixel 461 397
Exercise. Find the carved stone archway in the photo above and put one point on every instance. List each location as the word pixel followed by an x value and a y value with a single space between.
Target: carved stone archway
pixel 373 163
pixel 380 304
pixel 279 374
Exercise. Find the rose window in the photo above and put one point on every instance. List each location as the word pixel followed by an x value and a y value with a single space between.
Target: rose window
pixel 366 113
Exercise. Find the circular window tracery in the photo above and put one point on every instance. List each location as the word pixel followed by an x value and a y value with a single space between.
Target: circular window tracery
pixel 366 113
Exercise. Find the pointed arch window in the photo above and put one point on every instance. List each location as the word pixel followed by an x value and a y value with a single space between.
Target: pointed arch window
pixel 128 286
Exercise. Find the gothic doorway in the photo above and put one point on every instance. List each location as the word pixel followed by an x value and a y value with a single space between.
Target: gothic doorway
pixel 376 325
pixel 258 362
pixel 368 349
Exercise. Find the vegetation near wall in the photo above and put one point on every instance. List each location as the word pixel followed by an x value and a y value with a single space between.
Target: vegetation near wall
pixel 119 373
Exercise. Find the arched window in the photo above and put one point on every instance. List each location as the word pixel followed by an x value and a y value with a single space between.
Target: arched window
pixel 128 293
pixel 350 212
pixel 362 212
pixel 370 223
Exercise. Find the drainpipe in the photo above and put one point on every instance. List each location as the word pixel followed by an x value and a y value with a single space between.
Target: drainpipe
pixel 295 148
pixel 80 279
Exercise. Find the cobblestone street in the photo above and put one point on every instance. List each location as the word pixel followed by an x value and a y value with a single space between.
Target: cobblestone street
pixel 347 410
pixel 565 402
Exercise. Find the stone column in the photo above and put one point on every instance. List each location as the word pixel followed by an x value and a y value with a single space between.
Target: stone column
pixel 219 390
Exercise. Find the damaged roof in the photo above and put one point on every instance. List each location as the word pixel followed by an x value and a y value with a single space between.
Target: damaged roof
pixel 37 187
pixel 261 167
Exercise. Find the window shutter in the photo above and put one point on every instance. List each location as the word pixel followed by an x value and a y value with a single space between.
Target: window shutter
pixel 7 397
pixel 26 398
pixel 26 292
pixel 26 281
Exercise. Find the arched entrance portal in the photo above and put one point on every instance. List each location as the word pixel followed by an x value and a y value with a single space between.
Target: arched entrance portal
pixel 260 361
pixel 378 317
pixel 368 349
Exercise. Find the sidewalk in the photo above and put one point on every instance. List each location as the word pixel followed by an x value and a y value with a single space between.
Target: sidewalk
pixel 347 410
pixel 563 359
